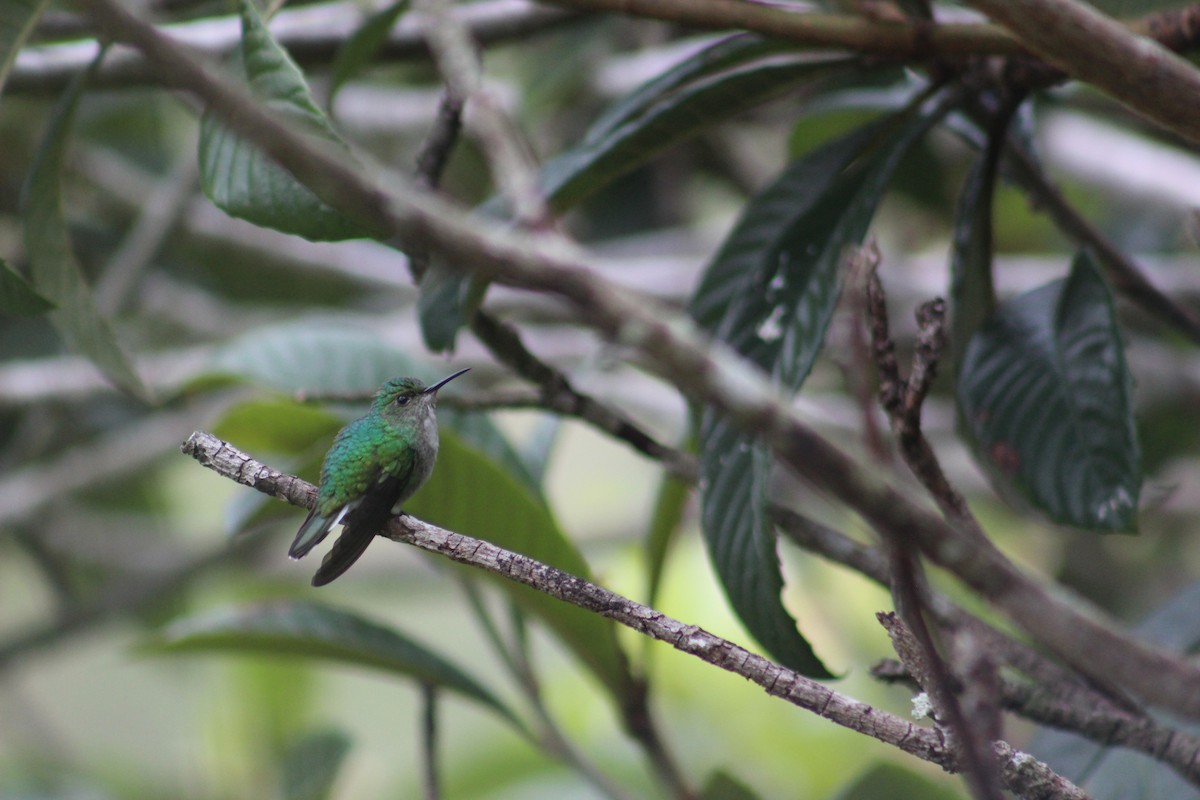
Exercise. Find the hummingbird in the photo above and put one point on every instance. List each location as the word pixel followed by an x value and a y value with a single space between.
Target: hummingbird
pixel 375 464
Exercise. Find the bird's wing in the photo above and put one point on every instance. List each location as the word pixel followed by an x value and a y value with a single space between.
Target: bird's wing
pixel 367 518
pixel 349 470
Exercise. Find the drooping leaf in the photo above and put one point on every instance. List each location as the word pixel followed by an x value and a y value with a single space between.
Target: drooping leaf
pixel 721 81
pixel 243 181
pixel 17 297
pixel 17 20
pixel 312 630
pixel 361 47
pixel 1046 400
pixel 472 494
pixel 972 293
pixel 770 293
pixel 54 273
pixel 311 765
pixel 741 543
pixel 1114 773
pixel 664 524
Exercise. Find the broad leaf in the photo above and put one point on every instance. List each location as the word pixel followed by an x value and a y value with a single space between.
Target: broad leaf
pixel 276 426
pixel 17 297
pixel 972 294
pixel 311 765
pixel 770 293
pixel 313 630
pixel 721 81
pixel 17 20
pixel 244 182
pixel 1046 400
pixel 1113 773
pixel 360 48
pixel 472 494
pixel 53 271
pixel 316 358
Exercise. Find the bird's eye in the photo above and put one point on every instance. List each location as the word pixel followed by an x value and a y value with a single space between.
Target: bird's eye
pixel 402 400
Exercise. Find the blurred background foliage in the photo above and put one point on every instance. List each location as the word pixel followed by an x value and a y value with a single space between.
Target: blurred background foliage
pixel 110 540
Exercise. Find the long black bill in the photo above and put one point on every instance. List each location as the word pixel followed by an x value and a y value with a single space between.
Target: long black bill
pixel 444 381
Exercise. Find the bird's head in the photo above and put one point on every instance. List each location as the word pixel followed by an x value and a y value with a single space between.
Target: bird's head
pixel 408 398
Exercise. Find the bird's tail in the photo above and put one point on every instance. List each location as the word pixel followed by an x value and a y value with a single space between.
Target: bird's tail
pixel 312 531
pixel 345 551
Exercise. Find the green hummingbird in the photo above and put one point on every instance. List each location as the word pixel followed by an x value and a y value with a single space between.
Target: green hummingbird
pixel 375 464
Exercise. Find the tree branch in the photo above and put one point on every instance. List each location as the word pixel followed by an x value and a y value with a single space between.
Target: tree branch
pixel 1021 773
pixel 705 372
pixel 1089 46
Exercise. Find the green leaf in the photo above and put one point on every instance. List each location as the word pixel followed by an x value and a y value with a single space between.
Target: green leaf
pixel 972 293
pixel 1046 400
pixel 312 630
pixel 53 271
pixel 17 21
pixel 17 297
pixel 244 182
pixel 313 357
pixel 770 293
pixel 664 523
pixel 312 764
pixel 1113 773
pixel 889 781
pixel 721 81
pixel 741 542
pixel 275 426
pixel 723 786
pixel 361 47
pixel 472 494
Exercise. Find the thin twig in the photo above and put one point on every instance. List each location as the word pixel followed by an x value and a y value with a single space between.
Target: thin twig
pixel 431 786
pixel 1021 772
pixel 1127 277
pixel 512 166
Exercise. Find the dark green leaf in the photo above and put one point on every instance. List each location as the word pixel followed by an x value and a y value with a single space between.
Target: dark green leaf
pixel 723 786
pixel 311 765
pixel 240 179
pixel 741 543
pixel 312 630
pixel 1046 400
pixel 472 494
pixel 1113 773
pixel 721 81
pixel 53 271
pixel 770 293
pixel 972 294
pixel 359 49
pixel 892 781
pixel 17 297
pixel 17 20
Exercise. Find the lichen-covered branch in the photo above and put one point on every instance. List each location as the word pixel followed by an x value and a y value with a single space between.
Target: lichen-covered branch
pixel 1022 774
